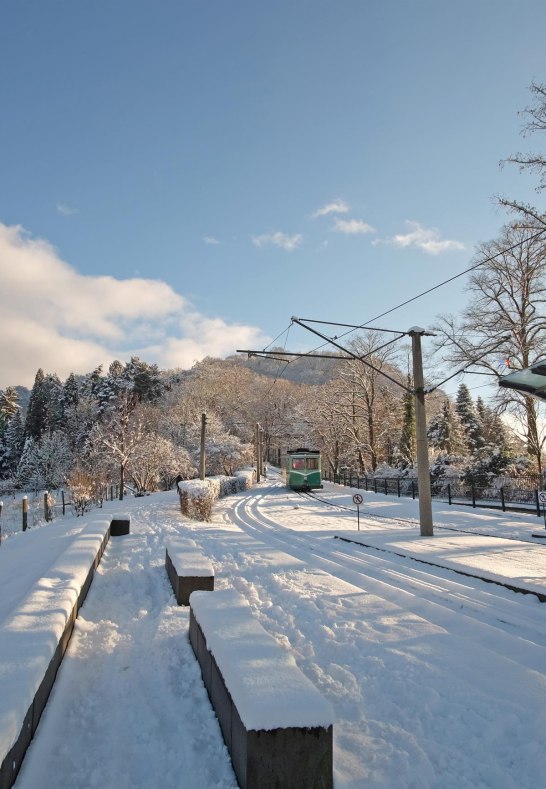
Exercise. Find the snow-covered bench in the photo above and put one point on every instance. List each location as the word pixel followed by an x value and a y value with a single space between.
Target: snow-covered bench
pixel 120 525
pixel 34 638
pixel 187 568
pixel 276 725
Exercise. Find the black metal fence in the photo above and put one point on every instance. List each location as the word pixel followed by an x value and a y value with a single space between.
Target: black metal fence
pixel 506 493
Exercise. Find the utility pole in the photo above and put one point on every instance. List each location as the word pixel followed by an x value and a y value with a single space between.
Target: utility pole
pixel 258 453
pixel 202 453
pixel 423 470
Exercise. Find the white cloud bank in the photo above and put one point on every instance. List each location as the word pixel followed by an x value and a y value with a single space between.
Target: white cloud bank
pixel 427 239
pixel 278 239
pixel 55 318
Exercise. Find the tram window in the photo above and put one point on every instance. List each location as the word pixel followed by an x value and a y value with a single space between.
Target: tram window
pixel 312 464
pixel 298 463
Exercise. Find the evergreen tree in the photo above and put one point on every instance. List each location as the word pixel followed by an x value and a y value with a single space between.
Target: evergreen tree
pixel 444 432
pixel 8 407
pixel 145 379
pixel 71 394
pixel 26 468
pixel 470 423
pixel 36 418
pixel 12 445
pixel 53 403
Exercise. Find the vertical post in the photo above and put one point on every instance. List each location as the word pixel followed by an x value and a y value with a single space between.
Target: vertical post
pixel 262 456
pixel 449 493
pixel 202 452
pixel 537 502
pixel 258 459
pixel 46 508
pixel 1 508
pixel 398 486
pixel 25 513
pixel 64 503
pixel 474 494
pixel 423 469
pixel 386 486
pixel 503 503
pixel 413 489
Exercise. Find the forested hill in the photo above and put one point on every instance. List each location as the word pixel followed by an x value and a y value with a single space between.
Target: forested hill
pixel 304 370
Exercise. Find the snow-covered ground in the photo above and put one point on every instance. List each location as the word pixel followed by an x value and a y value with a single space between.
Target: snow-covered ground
pixel 436 679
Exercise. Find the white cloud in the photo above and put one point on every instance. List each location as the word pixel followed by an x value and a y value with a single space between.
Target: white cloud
pixel 67 210
pixel 352 226
pixel 335 207
pixel 290 243
pixel 427 239
pixel 210 240
pixel 55 318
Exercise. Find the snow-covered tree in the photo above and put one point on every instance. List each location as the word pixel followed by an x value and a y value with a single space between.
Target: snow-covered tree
pixel 45 463
pixel 156 463
pixel 445 431
pixel 226 453
pixel 468 417
pixel 118 435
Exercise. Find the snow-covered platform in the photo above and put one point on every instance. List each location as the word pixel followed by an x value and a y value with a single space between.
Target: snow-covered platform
pixel 276 725
pixel 515 564
pixel 37 617
pixel 188 569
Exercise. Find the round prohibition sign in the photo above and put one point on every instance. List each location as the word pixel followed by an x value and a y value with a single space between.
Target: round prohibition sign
pixel 357 499
pixel 542 496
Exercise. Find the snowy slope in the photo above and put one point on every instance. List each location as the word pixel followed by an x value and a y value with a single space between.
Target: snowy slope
pixel 436 680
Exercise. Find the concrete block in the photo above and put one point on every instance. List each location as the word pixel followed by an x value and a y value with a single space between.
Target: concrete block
pixel 221 702
pixel 14 759
pixel 184 585
pixel 120 525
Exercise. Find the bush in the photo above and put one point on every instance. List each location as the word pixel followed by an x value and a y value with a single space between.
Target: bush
pixel 197 496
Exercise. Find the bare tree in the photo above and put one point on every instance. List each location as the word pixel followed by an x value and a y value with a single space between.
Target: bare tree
pixel 370 406
pixel 535 121
pixel 505 322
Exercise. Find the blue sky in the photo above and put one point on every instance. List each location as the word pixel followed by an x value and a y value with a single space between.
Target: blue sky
pixel 180 178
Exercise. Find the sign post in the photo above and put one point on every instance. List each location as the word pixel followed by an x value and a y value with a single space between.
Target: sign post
pixel 542 500
pixel 357 499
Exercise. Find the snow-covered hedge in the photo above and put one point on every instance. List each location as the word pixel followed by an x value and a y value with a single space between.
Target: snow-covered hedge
pixel 197 496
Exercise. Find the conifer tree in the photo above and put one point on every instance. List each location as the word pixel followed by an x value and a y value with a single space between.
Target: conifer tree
pixel 71 393
pixel 8 407
pixel 12 445
pixel 469 419
pixel 36 413
pixel 444 432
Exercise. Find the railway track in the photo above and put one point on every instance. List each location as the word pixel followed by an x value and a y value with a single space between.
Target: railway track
pixel 471 607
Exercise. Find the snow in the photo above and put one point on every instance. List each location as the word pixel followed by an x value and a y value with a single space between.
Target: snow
pixel 31 633
pixel 436 679
pixel 187 559
pixel 268 689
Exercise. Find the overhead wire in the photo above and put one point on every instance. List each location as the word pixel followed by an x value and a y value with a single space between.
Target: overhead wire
pixel 429 290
